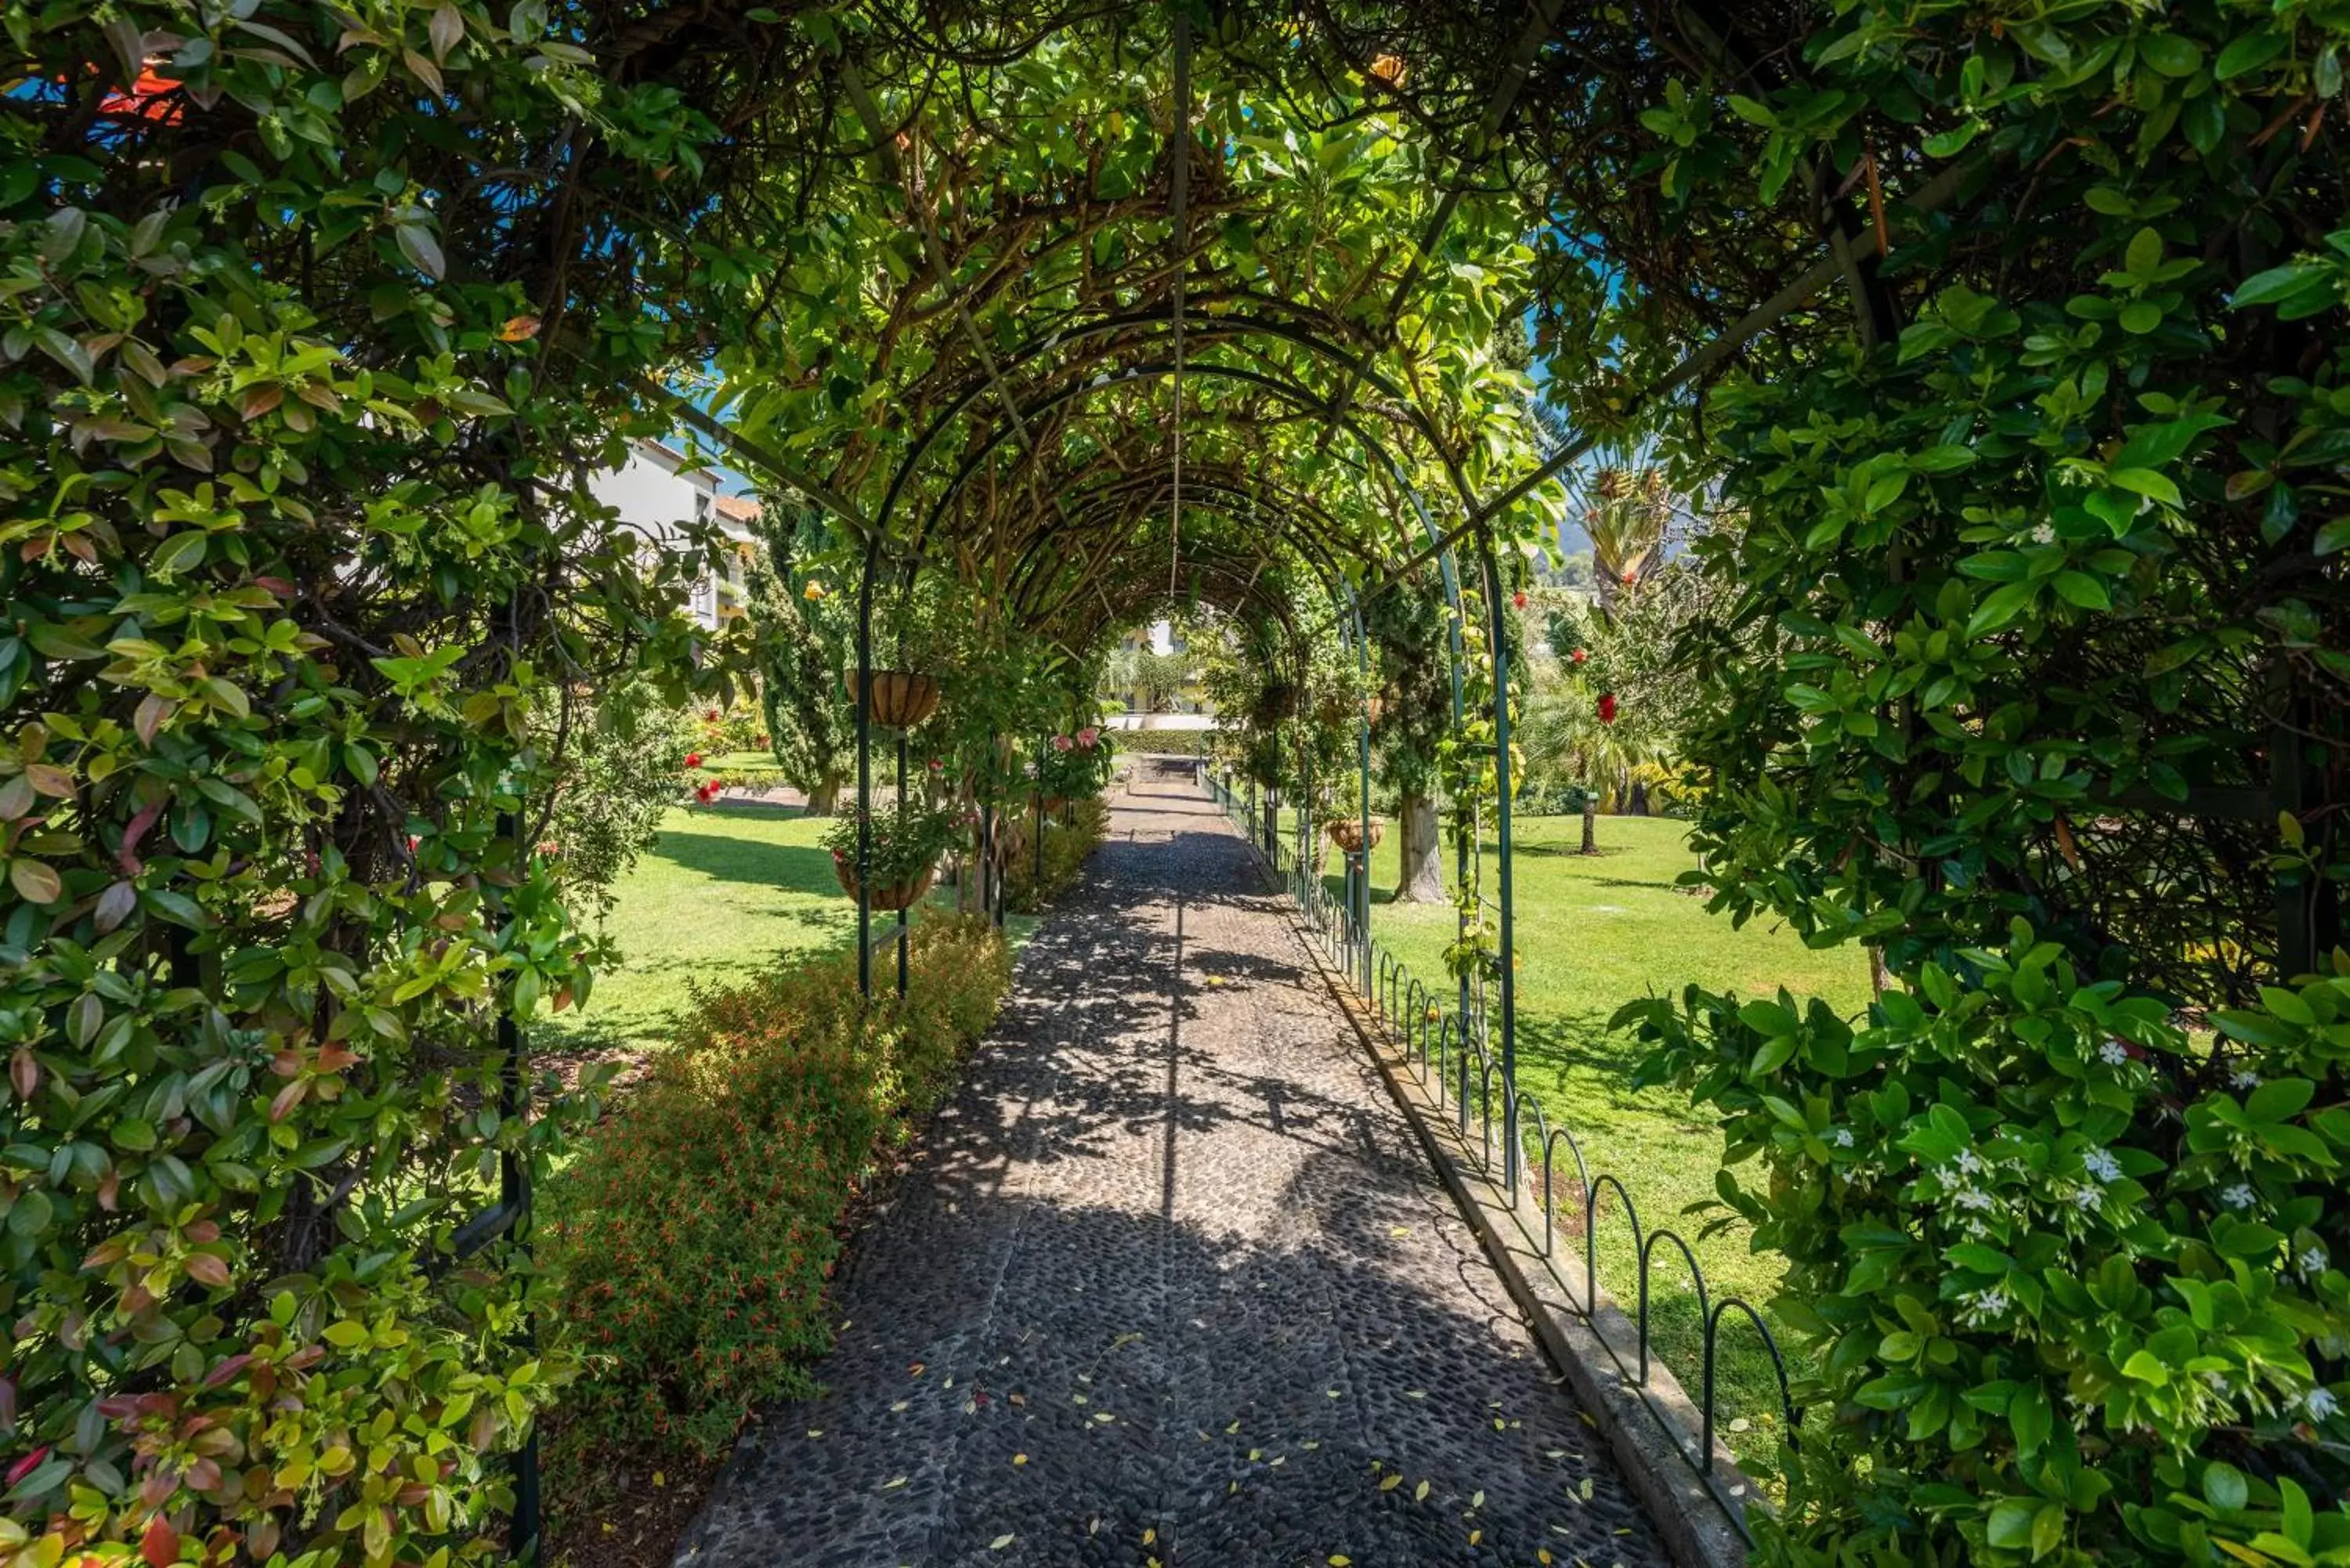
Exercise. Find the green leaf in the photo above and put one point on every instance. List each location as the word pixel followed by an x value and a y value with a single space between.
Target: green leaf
pixel 2248 53
pixel 2224 1487
pixel 2147 482
pixel 2080 588
pixel 2140 317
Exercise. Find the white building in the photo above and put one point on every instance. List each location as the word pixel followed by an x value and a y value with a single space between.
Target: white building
pixel 655 494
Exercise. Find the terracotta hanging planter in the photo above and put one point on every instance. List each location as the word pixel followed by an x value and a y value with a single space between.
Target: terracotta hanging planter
pixel 1374 709
pixel 1277 702
pixel 1347 834
pixel 901 698
pixel 904 896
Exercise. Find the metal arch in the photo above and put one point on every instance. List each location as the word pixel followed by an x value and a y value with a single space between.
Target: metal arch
pixel 1223 478
pixel 1299 397
pixel 1031 581
pixel 1216 329
pixel 1100 514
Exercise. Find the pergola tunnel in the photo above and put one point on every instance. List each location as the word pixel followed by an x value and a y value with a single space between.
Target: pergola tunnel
pixel 588 807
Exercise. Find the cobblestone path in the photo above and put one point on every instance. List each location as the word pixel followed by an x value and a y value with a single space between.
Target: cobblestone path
pixel 1173 1281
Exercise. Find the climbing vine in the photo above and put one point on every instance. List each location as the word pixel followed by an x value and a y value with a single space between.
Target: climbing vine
pixel 2040 583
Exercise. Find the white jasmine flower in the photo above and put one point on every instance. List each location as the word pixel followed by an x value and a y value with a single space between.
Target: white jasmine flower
pixel 1971 1197
pixel 2101 1164
pixel 2245 1078
pixel 1967 1161
pixel 1984 1305
pixel 2045 534
pixel 2321 1404
pixel 2314 1260
pixel 2219 1383
pixel 2240 1196
pixel 1841 1137
pixel 2114 1053
pixel 2088 1197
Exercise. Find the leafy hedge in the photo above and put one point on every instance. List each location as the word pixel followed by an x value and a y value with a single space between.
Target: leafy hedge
pixel 692 1239
pixel 294 553
pixel 2036 560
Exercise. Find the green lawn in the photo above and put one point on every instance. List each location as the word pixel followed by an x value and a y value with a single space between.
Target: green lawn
pixel 1593 932
pixel 723 892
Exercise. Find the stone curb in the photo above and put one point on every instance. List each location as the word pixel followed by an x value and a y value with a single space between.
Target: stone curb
pixel 1642 1427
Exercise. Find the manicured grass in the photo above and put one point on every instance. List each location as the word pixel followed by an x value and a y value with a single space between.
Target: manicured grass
pixel 1594 932
pixel 724 893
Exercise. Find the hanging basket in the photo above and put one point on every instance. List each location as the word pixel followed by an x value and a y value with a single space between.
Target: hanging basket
pixel 1374 709
pixel 904 896
pixel 1347 833
pixel 901 698
pixel 1277 702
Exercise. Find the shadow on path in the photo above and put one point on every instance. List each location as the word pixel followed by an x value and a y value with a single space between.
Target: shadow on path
pixel 1171 1281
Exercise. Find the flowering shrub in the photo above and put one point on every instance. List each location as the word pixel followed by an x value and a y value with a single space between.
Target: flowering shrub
pixel 1067 845
pixel 692 1238
pixel 1076 765
pixel 2038 567
pixel 2073 1279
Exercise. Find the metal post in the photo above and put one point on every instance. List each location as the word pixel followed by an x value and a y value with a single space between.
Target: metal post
pixel 903 914
pixel 514 1197
pixel 1501 648
pixel 1363 725
pixel 865 773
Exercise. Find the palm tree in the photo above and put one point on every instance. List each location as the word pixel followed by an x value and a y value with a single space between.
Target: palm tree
pixel 1569 729
pixel 1628 519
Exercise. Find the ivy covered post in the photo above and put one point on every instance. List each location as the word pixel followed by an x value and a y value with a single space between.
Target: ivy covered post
pixel 1506 958
pixel 1363 780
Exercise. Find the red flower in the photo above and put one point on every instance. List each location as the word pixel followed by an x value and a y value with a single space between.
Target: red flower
pixel 711 716
pixel 1607 707
pixel 1518 600
pixel 1580 655
pixel 935 766
pixel 694 759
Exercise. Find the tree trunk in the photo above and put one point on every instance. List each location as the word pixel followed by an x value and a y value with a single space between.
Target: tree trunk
pixel 1590 822
pixel 825 799
pixel 1419 879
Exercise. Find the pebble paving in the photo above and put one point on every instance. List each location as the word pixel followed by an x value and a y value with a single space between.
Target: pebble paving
pixel 1172 1283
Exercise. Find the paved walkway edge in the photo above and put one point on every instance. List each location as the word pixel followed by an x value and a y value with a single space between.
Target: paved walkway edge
pixel 1643 1427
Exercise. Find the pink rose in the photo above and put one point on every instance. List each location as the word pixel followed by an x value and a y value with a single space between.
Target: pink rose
pixel 1087 736
pixel 1061 742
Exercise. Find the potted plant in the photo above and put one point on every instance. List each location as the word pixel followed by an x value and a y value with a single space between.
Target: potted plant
pixel 901 698
pixel 902 855
pixel 1347 833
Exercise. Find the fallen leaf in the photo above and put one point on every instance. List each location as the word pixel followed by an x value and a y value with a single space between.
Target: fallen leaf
pixel 1478 1501
pixel 1391 1482
pixel 1000 1543
pixel 660 1479
pixel 813 1432
pixel 898 1407
pixel 1017 1398
pixel 1233 1427
pixel 1415 1393
pixel 914 1369
pixel 1586 1488
pixel 1148 1536
pixel 1419 1492
pixel 1475 1536
pixel 1339 1560
pixel 898 1482
pixel 1019 1458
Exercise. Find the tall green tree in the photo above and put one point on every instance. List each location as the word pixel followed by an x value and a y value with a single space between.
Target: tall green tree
pixel 803 623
